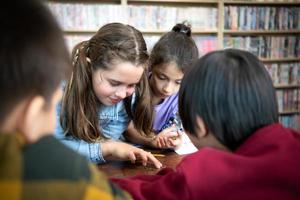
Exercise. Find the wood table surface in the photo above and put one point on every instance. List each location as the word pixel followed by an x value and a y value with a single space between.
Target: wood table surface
pixel 126 168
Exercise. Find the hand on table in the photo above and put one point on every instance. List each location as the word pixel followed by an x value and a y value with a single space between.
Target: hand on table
pixel 115 150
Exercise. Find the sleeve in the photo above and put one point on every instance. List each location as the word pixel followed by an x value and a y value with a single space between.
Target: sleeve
pixel 172 185
pixel 92 151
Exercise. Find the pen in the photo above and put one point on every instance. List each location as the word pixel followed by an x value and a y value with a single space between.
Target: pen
pixel 158 155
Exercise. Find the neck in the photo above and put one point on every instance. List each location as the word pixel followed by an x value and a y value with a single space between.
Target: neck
pixel 11 121
pixel 210 141
pixel 156 100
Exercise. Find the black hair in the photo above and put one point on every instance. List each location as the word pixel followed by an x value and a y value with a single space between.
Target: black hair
pixel 232 92
pixel 33 55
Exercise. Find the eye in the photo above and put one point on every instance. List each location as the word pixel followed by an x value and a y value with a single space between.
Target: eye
pixel 131 85
pixel 114 83
pixel 161 77
pixel 178 82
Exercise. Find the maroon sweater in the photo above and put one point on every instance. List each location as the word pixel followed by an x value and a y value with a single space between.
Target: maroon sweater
pixel 266 166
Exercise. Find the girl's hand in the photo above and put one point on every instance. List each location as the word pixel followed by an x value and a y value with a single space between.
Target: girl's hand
pixel 177 141
pixel 168 138
pixel 115 150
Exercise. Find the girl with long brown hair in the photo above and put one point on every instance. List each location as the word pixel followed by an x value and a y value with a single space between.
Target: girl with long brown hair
pixel 107 89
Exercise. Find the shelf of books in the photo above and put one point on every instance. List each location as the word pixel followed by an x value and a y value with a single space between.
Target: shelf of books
pixel 269 29
pixel 81 20
pixel 262 2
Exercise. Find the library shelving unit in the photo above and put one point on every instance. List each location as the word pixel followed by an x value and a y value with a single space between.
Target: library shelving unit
pixel 151 17
pixel 268 28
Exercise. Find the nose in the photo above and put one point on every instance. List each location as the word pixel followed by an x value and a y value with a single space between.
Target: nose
pixel 121 93
pixel 168 88
pixel 130 91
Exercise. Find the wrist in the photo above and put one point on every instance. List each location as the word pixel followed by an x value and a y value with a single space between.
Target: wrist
pixel 106 147
pixel 152 141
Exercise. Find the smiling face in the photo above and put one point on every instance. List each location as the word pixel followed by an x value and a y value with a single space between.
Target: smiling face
pixel 113 85
pixel 165 80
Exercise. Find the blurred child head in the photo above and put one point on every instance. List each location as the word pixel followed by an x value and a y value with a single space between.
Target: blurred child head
pixel 34 61
pixel 227 94
pixel 108 68
pixel 170 58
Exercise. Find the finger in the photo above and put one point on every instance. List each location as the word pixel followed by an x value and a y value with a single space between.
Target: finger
pixel 166 142
pixel 156 142
pixel 153 160
pixel 162 142
pixel 174 143
pixel 132 157
pixel 143 156
pixel 172 135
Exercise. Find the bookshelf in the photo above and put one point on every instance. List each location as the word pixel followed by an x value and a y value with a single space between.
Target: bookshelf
pixel 268 28
pixel 273 27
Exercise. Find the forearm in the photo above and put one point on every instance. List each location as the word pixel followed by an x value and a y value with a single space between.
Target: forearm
pixel 107 149
pixel 132 135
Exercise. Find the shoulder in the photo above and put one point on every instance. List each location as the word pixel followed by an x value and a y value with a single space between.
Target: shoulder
pixel 55 170
pixel 50 159
pixel 106 189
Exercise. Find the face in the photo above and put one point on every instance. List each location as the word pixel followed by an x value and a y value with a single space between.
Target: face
pixel 113 85
pixel 165 80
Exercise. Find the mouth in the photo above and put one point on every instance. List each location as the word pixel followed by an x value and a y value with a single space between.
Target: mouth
pixel 114 101
pixel 164 95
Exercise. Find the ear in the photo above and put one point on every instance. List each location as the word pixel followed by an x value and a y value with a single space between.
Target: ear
pixel 201 130
pixel 29 124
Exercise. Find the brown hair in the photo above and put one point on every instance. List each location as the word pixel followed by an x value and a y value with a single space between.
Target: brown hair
pixel 113 42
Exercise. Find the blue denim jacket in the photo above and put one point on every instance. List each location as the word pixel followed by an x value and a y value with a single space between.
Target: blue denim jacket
pixel 113 122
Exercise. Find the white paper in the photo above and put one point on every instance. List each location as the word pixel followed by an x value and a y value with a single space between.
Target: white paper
pixel 186 146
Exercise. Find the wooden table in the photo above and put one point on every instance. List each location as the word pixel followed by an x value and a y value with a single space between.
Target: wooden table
pixel 126 168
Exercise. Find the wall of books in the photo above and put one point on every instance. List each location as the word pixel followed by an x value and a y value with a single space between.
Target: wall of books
pixel 153 20
pixel 269 29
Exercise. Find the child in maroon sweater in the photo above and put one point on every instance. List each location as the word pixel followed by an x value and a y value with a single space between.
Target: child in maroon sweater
pixel 228 107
